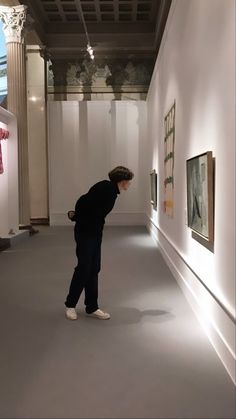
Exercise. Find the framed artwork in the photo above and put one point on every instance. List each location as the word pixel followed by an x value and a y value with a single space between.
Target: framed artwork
pixel 200 195
pixel 153 179
pixel 169 142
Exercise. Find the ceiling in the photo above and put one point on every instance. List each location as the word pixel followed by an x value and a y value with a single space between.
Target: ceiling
pixel 115 27
pixel 98 10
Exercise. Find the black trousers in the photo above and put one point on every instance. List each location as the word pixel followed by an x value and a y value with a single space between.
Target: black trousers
pixel 88 251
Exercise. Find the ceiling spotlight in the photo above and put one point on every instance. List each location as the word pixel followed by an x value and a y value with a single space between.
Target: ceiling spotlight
pixel 81 15
pixel 90 51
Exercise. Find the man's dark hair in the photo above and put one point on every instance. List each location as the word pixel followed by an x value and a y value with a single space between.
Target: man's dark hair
pixel 120 173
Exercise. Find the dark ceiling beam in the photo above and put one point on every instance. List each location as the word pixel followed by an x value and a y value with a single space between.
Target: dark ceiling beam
pixel 60 9
pixel 134 11
pixel 162 16
pixel 98 11
pixel 78 53
pixel 102 41
pixel 100 27
pixel 116 10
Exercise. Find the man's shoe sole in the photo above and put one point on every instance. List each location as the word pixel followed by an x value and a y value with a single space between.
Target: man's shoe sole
pixel 94 316
pixel 69 318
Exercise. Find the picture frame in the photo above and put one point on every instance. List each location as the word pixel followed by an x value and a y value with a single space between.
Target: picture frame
pixel 169 157
pixel 200 195
pixel 153 184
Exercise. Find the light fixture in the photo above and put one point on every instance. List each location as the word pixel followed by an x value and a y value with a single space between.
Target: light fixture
pixel 89 48
pixel 90 51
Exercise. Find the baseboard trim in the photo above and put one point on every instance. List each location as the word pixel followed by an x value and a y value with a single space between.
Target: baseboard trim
pixel 221 338
pixel 40 221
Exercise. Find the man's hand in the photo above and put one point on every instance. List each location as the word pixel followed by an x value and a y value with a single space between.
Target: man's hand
pixel 71 214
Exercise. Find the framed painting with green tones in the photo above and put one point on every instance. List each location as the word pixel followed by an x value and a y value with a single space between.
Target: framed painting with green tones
pixel 153 183
pixel 200 195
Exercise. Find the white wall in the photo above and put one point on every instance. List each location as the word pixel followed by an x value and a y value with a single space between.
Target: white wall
pixel 196 67
pixel 9 206
pixel 86 140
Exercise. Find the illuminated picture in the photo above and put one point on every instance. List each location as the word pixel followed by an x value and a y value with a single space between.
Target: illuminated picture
pixel 169 142
pixel 153 178
pixel 200 195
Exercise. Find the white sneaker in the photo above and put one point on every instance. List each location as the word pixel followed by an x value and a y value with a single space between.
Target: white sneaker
pixel 71 313
pixel 99 314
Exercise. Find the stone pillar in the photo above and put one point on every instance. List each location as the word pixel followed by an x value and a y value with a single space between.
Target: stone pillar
pixel 14 19
pixel 37 133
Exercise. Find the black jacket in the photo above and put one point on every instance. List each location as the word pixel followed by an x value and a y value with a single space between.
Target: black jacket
pixel 92 208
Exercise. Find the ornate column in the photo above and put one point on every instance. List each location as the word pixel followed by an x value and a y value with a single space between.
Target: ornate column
pixel 14 19
pixel 37 133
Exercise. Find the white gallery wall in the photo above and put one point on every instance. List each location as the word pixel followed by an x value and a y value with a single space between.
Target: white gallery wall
pixel 86 140
pixel 196 68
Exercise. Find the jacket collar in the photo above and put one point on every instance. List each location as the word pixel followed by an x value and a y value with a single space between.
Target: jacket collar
pixel 115 186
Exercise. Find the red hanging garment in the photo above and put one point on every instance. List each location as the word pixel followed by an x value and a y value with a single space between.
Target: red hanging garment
pixel 1 163
pixel 3 135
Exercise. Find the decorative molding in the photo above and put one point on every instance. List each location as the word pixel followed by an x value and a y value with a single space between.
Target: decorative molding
pixel 117 76
pixel 54 96
pixel 14 19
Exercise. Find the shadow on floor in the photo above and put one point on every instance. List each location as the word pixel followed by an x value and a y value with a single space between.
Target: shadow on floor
pixel 129 315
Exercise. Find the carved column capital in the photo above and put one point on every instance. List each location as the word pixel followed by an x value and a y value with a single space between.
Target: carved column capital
pixel 14 19
pixel 45 53
pixel 59 68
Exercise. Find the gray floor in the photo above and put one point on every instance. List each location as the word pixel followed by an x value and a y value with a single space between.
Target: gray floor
pixel 151 360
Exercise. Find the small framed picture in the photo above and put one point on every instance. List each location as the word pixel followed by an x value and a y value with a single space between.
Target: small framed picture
pixel 153 182
pixel 200 195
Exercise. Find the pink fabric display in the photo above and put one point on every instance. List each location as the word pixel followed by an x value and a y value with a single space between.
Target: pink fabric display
pixel 4 134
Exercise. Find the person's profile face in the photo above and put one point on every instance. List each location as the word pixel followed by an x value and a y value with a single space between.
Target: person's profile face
pixel 125 184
